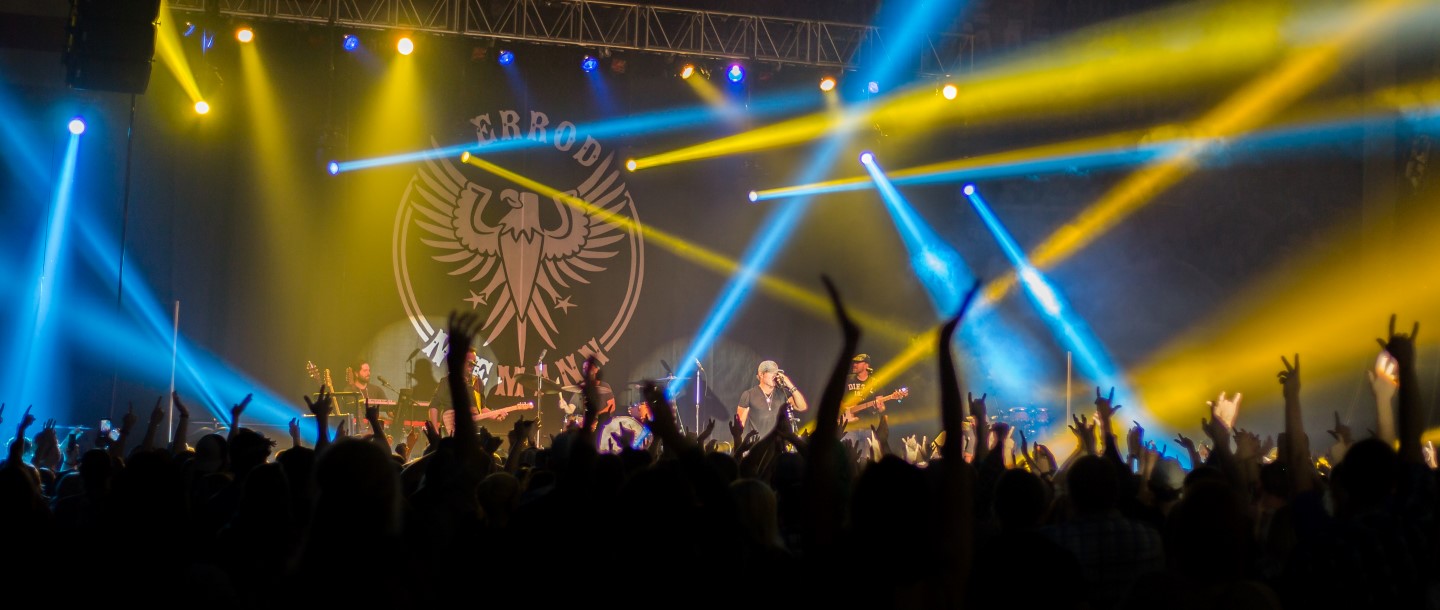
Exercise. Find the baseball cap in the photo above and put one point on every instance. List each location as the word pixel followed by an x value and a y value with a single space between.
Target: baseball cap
pixel 768 366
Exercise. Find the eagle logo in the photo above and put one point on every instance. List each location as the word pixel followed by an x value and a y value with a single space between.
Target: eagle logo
pixel 523 255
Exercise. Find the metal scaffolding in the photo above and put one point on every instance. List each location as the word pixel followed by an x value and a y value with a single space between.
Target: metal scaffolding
pixel 612 25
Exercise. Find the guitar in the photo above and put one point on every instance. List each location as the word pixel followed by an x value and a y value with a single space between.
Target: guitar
pixel 448 417
pixel 849 414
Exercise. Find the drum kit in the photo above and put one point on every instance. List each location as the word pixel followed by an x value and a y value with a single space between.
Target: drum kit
pixel 632 425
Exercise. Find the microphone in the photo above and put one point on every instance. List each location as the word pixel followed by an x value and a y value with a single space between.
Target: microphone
pixel 542 354
pixel 699 366
pixel 413 355
pixel 383 382
pixel 666 365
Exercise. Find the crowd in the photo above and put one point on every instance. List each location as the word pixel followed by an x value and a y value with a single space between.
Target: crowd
pixel 773 520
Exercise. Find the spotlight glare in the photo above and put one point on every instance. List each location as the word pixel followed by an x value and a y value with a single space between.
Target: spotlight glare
pixel 736 73
pixel 589 64
pixel 687 71
pixel 77 125
pixel 465 157
pixel 873 87
pixel 244 34
pixel 867 158
pixel 202 107
pixel 949 91
pixel 754 196
pixel 405 46
pixel 506 57
pixel 351 42
pixel 333 167
pixel 630 164
pixel 969 190
pixel 827 83
pixel 189 29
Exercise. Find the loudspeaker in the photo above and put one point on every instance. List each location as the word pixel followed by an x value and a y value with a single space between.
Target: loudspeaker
pixel 109 44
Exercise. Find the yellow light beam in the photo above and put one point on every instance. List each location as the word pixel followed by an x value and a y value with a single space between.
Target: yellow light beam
pixel 1245 110
pixel 786 291
pixel 172 53
pixel 1329 306
pixel 1165 54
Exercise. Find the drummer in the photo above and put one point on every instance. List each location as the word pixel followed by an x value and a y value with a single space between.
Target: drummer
pixel 575 408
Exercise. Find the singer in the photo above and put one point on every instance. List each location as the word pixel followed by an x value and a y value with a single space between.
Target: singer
pixel 760 405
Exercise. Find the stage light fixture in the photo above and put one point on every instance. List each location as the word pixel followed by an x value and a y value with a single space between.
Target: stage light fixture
pixel 631 165
pixel 736 73
pixel 754 196
pixel 465 157
pixel 687 71
pixel 405 46
pixel 333 167
pixel 202 107
pixel 351 42
pixel 589 64
pixel 506 57
pixel 245 34
pixel 827 83
pixel 969 190
pixel 949 91
pixel 867 158
pixel 77 125
pixel 872 87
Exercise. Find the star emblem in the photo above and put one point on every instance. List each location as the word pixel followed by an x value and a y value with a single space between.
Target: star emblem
pixel 564 304
pixel 476 300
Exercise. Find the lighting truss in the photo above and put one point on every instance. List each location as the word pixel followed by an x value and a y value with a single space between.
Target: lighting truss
pixel 613 25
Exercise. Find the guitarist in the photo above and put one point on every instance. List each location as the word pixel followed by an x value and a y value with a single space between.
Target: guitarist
pixel 442 405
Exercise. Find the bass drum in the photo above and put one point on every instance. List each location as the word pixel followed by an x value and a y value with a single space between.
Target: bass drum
pixel 608 437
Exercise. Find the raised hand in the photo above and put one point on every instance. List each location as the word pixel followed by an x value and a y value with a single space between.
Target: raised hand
pixel 238 409
pixel 1429 452
pixel 128 421
pixel 913 449
pixel 294 432
pixel 706 432
pixel 180 405
pixel 881 431
pixel 432 436
pixel 1084 431
pixel 25 421
pixel 157 414
pixel 412 436
pixel 1341 432
pixel 737 430
pixel 1045 460
pixel 1218 432
pixel 320 407
pixel 977 407
pixel 1290 378
pixel 1401 347
pixel 1247 445
pixel 341 430
pixel 1135 441
pixel 1225 409
pixel 1104 405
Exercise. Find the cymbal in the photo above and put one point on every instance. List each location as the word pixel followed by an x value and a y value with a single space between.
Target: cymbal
pixel 571 389
pixel 536 383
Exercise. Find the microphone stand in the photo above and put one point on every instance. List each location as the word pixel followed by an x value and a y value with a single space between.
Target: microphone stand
pixel 700 371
